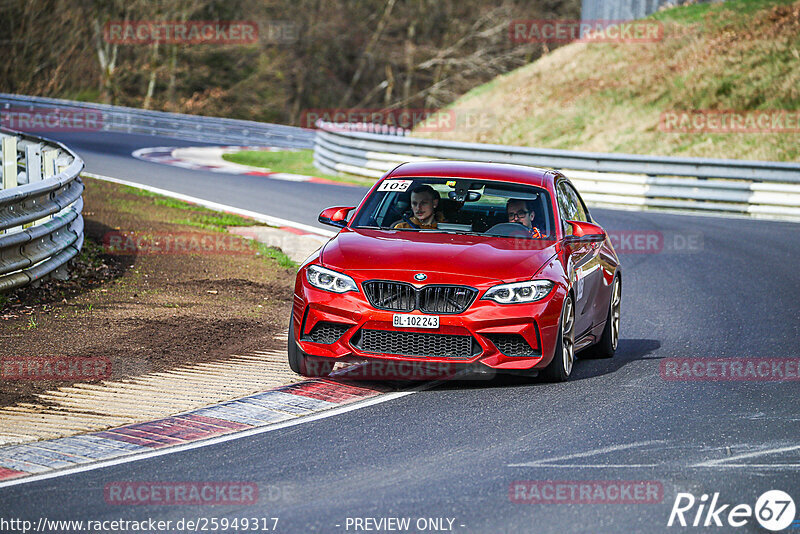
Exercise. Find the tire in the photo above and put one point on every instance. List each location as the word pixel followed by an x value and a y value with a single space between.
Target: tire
pixel 303 364
pixel 564 358
pixel 609 339
pixel 293 351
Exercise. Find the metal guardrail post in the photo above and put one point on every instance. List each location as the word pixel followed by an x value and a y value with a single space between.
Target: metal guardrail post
pixel 48 171
pixel 9 156
pixel 33 168
pixel 33 164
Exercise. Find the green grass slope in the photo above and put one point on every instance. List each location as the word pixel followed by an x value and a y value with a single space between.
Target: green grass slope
pixel 741 55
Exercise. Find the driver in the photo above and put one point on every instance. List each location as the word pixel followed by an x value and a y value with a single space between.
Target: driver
pixel 521 211
pixel 424 201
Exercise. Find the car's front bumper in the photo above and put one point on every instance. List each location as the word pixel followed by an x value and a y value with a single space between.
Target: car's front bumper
pixel 345 327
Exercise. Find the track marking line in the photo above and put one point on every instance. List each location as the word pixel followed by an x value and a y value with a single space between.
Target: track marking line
pixel 749 466
pixel 722 462
pixel 593 452
pixel 587 466
pixel 713 464
pixel 210 441
pixel 140 451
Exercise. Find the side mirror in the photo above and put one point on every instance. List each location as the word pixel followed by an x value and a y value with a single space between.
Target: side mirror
pixel 584 233
pixel 336 216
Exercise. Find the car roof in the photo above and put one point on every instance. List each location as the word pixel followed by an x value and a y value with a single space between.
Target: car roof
pixel 520 174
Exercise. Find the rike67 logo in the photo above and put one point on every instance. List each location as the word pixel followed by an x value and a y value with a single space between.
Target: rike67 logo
pixel 774 510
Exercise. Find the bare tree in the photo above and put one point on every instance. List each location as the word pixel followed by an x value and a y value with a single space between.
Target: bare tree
pixel 368 51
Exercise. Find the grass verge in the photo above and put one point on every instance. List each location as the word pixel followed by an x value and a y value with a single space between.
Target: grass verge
pixel 294 162
pixel 207 219
pixel 149 309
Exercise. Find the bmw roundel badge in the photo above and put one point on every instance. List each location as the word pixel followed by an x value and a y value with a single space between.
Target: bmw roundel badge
pixel 420 277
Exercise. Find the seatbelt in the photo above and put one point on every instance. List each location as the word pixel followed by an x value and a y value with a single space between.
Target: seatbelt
pixel 407 219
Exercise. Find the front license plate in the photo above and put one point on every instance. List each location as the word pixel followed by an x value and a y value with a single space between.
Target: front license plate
pixel 402 320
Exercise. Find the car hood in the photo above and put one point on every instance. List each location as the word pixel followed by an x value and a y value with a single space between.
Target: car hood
pixel 468 258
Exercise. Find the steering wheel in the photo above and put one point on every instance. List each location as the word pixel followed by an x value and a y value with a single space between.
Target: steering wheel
pixel 509 229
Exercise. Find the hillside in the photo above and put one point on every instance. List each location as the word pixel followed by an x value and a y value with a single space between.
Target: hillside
pixel 743 55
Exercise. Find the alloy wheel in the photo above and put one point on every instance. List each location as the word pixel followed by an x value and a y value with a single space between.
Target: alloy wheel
pixel 568 335
pixel 615 314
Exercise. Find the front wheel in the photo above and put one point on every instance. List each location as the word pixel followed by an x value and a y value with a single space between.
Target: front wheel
pixel 293 351
pixel 564 358
pixel 303 364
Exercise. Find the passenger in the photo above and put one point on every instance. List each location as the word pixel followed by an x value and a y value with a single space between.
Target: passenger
pixel 424 201
pixel 520 211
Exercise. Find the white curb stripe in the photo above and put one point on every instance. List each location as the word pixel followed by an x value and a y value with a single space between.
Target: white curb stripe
pixel 211 441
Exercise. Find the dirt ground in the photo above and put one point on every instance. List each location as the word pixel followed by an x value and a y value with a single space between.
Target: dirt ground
pixel 148 311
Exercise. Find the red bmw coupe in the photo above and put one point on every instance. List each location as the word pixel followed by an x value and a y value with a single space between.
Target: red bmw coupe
pixel 457 264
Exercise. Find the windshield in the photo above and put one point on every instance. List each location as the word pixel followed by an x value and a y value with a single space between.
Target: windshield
pixel 459 205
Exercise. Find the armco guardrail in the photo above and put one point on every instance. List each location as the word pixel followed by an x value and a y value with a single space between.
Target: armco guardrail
pixel 17 111
pixel 41 227
pixel 756 188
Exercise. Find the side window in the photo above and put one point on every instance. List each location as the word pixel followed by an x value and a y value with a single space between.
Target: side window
pixel 574 209
pixel 580 211
pixel 566 207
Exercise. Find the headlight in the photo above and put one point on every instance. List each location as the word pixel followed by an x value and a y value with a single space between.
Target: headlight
pixel 323 278
pixel 519 292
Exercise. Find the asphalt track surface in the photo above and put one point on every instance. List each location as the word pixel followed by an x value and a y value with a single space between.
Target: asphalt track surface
pixel 453 450
pixel 110 154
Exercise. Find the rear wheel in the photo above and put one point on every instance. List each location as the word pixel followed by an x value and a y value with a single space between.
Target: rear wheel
pixel 303 364
pixel 609 339
pixel 564 358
